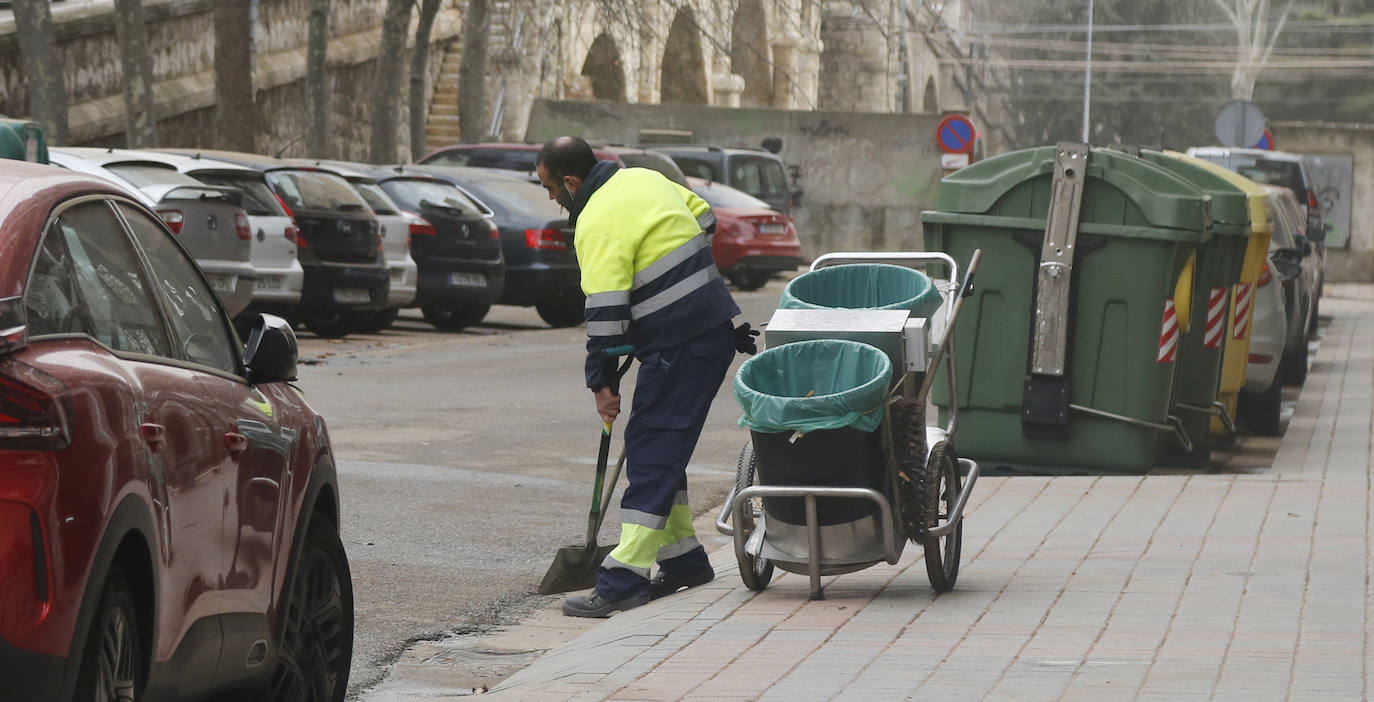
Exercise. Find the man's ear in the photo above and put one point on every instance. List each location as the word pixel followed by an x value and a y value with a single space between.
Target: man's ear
pixel 573 182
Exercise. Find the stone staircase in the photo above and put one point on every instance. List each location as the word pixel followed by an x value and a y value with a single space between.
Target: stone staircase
pixel 441 127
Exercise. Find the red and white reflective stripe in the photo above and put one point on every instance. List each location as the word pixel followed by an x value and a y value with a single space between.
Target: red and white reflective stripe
pixel 1216 319
pixel 1245 303
pixel 1168 334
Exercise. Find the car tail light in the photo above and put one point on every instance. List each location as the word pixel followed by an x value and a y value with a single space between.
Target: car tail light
pixel 241 224
pixel 1312 199
pixel 550 239
pixel 1265 277
pixel 284 206
pixel 731 228
pixel 419 225
pixel 293 235
pixel 495 231
pixel 173 218
pixel 34 408
pixel 1260 358
pixel 23 565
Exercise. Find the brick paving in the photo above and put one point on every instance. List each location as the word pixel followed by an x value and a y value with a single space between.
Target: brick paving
pixel 1227 586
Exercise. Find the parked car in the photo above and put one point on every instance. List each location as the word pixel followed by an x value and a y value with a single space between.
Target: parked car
pixel 396 227
pixel 169 509
pixel 753 242
pixel 1261 399
pixel 339 242
pixel 541 264
pixel 521 157
pixel 454 243
pixel 1299 267
pixel 275 235
pixel 207 218
pixel 758 172
pixel 1290 171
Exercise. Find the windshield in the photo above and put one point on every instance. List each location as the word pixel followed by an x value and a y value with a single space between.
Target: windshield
pixel 415 195
pixel 759 177
pixel 376 197
pixel 717 195
pixel 142 175
pixel 258 200
pixel 507 159
pixel 516 197
pixel 315 190
pixel 1263 170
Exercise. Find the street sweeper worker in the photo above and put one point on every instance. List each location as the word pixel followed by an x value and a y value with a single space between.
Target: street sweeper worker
pixel 650 282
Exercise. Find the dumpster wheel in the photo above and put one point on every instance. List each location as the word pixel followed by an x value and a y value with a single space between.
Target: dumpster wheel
pixel 942 483
pixel 755 570
pixel 909 448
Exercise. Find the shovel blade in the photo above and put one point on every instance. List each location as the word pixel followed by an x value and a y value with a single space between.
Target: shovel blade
pixel 574 568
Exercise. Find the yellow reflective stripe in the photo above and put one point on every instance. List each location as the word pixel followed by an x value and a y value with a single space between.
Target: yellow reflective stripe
pixel 682 289
pixel 671 260
pixel 638 547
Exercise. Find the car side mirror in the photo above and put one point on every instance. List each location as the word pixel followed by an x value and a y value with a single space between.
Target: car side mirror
pixel 1317 233
pixel 1288 262
pixel 1304 245
pixel 271 352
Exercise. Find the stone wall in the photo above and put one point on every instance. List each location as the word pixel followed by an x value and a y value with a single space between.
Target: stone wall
pixel 181 36
pixel 1356 263
pixel 866 177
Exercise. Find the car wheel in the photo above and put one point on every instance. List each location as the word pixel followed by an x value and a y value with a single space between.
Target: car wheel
pixel 1260 410
pixel 316 637
pixel 454 317
pixel 750 280
pixel 1312 321
pixel 331 324
pixel 1293 365
pixel 112 660
pixel 563 312
pixel 377 322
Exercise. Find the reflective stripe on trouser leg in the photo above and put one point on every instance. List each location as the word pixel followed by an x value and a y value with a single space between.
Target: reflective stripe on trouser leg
pixel 673 393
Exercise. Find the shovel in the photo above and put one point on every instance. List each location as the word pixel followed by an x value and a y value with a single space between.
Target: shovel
pixel 575 567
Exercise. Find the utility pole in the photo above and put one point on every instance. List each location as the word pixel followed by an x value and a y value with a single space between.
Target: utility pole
pixel 1088 74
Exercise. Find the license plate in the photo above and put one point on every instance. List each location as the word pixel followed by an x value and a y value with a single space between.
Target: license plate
pixel 269 283
pixel 772 229
pixel 473 279
pixel 352 295
pixel 223 283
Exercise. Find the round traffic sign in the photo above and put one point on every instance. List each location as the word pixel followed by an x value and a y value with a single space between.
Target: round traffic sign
pixel 1239 123
pixel 1266 142
pixel 955 134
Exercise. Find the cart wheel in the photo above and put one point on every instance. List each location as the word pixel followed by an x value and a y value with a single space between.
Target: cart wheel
pixel 755 571
pixel 942 553
pixel 909 445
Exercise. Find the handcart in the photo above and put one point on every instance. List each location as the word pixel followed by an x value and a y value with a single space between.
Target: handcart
pixel 919 486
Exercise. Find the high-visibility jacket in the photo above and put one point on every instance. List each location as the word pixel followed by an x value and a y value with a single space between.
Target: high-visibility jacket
pixel 646 263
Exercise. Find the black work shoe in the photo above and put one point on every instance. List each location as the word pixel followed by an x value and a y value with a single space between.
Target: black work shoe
pixel 665 584
pixel 596 606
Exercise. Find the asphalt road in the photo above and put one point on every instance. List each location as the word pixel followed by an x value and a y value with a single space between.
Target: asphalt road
pixel 466 460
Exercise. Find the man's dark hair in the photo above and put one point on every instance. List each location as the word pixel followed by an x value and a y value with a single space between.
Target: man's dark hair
pixel 567 156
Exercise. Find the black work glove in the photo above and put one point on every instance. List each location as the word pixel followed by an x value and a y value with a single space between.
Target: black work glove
pixel 744 339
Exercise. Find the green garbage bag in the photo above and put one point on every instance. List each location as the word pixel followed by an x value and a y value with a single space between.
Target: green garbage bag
pixel 877 286
pixel 847 384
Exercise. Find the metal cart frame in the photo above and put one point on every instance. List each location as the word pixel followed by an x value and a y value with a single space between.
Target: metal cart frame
pixel 940 534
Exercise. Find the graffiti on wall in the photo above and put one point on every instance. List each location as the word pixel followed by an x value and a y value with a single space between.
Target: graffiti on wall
pixel 1332 179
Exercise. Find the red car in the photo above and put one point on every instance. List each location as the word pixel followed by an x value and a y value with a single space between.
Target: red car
pixel 168 503
pixel 753 242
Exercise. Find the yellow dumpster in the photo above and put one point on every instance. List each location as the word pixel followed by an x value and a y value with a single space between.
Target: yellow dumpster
pixel 1236 354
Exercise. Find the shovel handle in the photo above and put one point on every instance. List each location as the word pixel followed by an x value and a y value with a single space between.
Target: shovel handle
pixel 613 374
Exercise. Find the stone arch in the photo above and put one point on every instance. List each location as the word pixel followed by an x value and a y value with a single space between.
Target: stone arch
pixel 604 69
pixel 929 101
pixel 750 57
pixel 684 67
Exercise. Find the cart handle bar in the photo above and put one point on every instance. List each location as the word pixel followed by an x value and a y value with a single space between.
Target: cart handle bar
pixel 885 507
pixel 837 258
pixel 956 513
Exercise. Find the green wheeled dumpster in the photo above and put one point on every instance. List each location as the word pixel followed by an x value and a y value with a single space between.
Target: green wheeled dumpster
pixel 1068 354
pixel 22 140
pixel 1217 266
pixel 877 286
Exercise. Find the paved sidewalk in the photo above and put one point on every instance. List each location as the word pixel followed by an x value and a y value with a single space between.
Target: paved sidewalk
pixel 1171 587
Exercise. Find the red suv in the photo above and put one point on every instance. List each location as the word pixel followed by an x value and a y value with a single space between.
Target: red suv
pixel 168 503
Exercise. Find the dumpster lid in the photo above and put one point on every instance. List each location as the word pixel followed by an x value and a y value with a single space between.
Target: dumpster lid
pixel 1230 204
pixel 1119 190
pixel 1256 201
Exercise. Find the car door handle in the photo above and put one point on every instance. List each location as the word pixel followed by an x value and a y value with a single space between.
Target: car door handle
pixel 153 434
pixel 236 443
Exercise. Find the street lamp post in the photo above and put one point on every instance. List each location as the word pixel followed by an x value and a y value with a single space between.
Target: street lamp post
pixel 1088 74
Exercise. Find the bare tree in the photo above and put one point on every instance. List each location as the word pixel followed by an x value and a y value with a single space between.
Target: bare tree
pixel 472 74
pixel 136 63
pixel 42 66
pixel 1255 39
pixel 419 75
pixel 386 81
pixel 235 113
pixel 316 96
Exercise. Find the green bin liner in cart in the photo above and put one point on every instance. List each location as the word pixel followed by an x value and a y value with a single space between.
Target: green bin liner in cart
pixel 847 382
pixel 876 286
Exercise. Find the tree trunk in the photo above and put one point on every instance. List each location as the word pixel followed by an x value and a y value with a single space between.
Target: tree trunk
pixel 386 81
pixel 472 74
pixel 419 75
pixel 140 111
pixel 316 96
pixel 235 113
pixel 42 67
